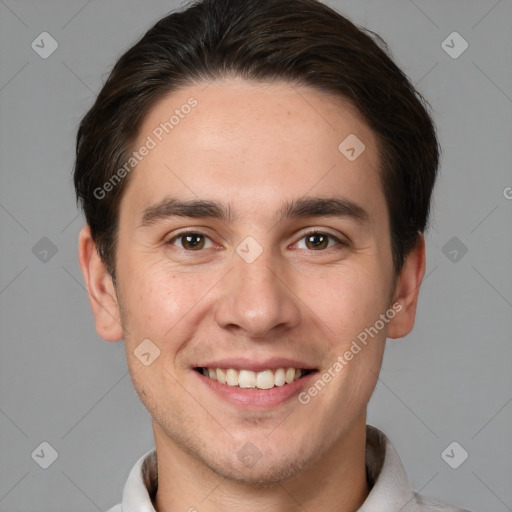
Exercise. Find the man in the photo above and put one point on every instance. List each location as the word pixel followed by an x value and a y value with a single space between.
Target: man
pixel 256 178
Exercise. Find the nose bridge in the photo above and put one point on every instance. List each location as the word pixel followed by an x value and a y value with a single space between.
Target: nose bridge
pixel 257 299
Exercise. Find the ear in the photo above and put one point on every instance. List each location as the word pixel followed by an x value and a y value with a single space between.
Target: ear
pixel 101 290
pixel 406 291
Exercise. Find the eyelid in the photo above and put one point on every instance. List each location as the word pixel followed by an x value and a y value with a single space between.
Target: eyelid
pixel 190 231
pixel 310 231
pixel 313 231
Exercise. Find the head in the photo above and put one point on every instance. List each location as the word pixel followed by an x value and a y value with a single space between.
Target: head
pixel 301 162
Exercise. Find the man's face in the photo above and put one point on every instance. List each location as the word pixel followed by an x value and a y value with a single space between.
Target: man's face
pixel 258 289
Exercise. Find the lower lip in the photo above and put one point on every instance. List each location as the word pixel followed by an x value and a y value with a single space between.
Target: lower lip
pixel 253 398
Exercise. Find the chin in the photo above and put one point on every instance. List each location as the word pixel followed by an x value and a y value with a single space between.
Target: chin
pixel 262 475
pixel 262 470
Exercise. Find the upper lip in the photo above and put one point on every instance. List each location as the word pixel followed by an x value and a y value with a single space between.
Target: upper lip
pixel 256 366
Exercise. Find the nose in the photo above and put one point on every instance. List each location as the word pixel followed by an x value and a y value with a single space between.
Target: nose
pixel 257 299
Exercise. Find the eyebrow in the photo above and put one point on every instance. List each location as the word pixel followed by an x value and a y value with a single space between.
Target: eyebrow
pixel 298 208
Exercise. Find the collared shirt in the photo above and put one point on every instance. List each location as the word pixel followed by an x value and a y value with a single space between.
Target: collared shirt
pixel 390 488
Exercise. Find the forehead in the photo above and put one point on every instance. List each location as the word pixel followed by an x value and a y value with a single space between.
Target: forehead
pixel 253 145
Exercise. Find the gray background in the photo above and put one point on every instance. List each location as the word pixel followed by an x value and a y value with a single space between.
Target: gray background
pixel 450 380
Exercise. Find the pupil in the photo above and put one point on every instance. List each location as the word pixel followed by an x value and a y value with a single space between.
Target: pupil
pixel 193 241
pixel 317 240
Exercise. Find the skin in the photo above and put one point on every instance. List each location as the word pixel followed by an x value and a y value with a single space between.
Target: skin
pixel 254 147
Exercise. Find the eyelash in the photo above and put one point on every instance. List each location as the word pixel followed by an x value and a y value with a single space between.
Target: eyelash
pixel 312 232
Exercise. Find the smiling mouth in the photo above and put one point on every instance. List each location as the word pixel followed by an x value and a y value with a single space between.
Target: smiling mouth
pixel 247 379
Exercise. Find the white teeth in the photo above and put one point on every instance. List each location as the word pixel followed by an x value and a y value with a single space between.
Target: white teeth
pixel 265 379
pixel 232 377
pixel 221 376
pixel 246 379
pixel 279 377
pixel 290 375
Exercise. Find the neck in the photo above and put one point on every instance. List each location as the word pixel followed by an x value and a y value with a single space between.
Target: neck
pixel 335 482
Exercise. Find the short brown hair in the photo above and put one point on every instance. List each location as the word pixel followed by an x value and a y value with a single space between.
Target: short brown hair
pixel 302 42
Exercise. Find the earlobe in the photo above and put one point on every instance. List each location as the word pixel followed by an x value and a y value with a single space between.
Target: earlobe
pixel 407 290
pixel 102 294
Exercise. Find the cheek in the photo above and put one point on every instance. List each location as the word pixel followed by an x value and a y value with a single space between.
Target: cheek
pixel 348 300
pixel 158 298
pixel 156 387
pixel 165 307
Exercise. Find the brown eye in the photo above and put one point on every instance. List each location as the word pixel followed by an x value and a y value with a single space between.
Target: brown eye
pixel 317 241
pixel 193 241
pixel 190 241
